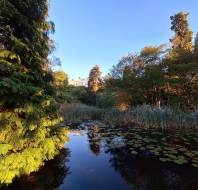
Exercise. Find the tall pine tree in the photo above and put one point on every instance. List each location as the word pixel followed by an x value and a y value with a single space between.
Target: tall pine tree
pixel 182 41
pixel 181 67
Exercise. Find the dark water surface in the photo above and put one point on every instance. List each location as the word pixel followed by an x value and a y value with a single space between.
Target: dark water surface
pixel 90 162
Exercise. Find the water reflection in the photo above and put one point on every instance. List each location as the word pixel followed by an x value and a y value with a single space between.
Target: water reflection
pixel 136 173
pixel 142 173
pixel 148 174
pixel 49 177
pixel 94 139
pixel 114 167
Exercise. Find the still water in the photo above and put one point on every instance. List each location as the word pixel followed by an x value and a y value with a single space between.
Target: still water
pixel 88 162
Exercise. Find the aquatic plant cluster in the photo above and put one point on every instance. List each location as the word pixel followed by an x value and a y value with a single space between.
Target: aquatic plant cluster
pixel 174 147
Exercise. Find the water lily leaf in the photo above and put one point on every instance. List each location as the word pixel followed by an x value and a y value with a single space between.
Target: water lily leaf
pixel 195 165
pixel 163 159
pixel 134 152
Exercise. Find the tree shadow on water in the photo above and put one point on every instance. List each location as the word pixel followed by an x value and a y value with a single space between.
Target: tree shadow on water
pixel 149 174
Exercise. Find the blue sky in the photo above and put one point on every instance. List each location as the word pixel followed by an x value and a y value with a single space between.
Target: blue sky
pixel 90 32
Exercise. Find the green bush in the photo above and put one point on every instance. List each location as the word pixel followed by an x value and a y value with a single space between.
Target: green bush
pixel 73 94
pixel 106 99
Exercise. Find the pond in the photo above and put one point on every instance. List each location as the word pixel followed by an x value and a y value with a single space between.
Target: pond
pixel 98 160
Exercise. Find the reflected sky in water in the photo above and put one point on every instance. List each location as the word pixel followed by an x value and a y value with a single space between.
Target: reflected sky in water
pixel 90 170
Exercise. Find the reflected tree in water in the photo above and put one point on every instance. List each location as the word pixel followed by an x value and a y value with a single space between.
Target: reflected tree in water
pixel 94 138
pixel 49 177
pixel 144 174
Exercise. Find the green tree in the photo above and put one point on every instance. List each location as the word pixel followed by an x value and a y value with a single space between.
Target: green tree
pixel 182 68
pixel 106 99
pixel 139 78
pixel 29 117
pixel 60 79
pixel 151 55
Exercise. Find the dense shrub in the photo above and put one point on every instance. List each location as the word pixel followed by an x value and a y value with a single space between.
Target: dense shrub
pixel 73 94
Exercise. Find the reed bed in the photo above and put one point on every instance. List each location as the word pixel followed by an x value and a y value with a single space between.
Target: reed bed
pixel 76 112
pixel 153 117
pixel 144 116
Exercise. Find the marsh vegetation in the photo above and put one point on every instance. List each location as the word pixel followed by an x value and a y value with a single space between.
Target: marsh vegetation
pixel 167 135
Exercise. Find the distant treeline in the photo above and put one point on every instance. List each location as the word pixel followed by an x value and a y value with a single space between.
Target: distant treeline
pixel 163 75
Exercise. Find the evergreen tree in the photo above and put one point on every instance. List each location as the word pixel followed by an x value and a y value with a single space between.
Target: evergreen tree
pixel 95 82
pixel 181 67
pixel 182 41
pixel 29 132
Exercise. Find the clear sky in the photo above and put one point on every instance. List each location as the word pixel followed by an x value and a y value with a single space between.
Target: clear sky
pixel 90 32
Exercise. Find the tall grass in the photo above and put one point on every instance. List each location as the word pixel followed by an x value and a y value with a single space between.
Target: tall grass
pixel 143 116
pixel 76 112
pixel 153 117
